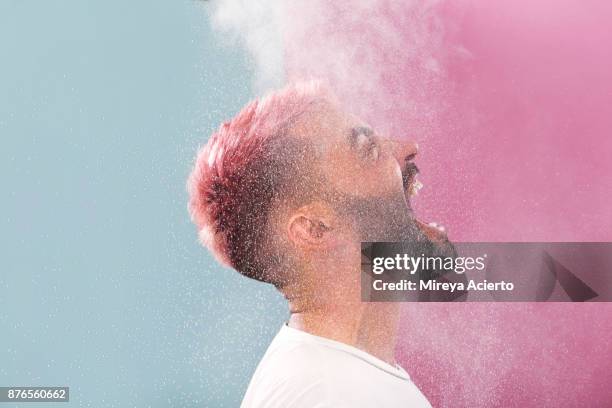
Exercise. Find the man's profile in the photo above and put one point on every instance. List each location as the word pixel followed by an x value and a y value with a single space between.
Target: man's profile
pixel 285 193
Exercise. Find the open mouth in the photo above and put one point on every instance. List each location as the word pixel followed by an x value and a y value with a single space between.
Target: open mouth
pixel 409 179
pixel 434 231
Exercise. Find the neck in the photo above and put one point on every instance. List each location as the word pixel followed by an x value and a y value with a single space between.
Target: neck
pixel 337 313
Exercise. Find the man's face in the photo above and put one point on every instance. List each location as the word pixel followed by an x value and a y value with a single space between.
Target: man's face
pixel 369 177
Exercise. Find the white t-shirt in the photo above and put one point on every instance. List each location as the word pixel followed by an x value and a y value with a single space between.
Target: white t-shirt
pixel 300 370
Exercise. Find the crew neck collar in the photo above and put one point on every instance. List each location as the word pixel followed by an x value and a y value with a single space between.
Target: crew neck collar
pixel 301 335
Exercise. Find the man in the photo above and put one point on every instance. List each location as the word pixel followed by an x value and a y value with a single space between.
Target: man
pixel 284 193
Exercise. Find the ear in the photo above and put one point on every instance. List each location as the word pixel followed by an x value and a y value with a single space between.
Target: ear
pixel 310 226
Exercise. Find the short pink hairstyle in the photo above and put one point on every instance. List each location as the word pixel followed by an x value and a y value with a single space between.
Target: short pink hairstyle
pixel 238 173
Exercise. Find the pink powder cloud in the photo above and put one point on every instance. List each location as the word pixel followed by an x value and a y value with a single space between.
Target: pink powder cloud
pixel 511 103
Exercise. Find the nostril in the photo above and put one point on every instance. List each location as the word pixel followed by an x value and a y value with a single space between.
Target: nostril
pixel 410 157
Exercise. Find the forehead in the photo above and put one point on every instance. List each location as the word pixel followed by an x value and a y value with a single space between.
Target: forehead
pixel 326 126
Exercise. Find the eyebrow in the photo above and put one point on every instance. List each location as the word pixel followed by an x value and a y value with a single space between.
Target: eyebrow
pixel 359 130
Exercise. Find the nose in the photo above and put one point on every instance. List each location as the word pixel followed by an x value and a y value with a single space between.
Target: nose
pixel 403 150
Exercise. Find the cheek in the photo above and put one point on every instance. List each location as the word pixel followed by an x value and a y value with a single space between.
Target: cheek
pixel 395 173
pixel 370 179
pixel 375 180
pixel 385 177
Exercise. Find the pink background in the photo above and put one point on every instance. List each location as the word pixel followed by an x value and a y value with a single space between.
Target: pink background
pixel 511 103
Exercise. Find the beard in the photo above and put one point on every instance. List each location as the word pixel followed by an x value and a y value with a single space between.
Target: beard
pixel 390 219
pixel 379 219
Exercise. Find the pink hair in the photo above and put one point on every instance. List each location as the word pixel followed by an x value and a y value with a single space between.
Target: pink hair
pixel 224 196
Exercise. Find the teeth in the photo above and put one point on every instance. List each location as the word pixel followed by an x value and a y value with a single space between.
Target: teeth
pixel 415 187
pixel 437 226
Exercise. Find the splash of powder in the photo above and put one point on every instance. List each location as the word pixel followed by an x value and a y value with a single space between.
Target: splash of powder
pixel 510 103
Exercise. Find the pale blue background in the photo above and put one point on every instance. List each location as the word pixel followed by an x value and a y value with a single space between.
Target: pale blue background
pixel 103 286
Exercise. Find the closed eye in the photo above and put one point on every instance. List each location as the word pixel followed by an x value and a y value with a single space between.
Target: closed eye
pixel 363 140
pixel 373 151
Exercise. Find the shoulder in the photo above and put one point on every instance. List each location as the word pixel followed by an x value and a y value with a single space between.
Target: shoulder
pixel 294 375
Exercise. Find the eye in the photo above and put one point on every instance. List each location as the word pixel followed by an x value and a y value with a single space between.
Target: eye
pixel 365 143
pixel 374 151
pixel 361 141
